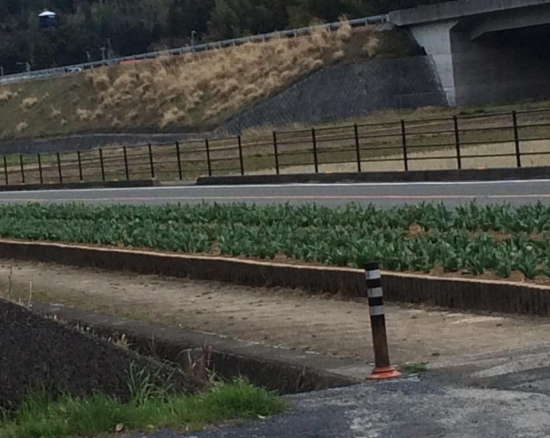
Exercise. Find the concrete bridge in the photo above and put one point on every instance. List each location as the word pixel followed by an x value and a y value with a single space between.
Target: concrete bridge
pixel 485 51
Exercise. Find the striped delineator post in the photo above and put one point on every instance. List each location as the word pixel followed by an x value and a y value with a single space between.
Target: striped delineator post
pixel 382 369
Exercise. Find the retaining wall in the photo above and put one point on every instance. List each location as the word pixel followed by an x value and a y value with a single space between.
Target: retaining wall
pixel 38 353
pixel 80 185
pixel 453 293
pixel 345 91
pixel 525 173
pixel 274 369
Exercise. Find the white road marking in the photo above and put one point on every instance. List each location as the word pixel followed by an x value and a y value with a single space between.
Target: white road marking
pixel 292 185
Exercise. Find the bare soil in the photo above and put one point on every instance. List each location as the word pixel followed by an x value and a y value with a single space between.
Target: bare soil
pixel 276 317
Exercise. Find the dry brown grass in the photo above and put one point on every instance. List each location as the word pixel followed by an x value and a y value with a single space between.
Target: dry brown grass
pixel 88 115
pixel 372 47
pixel 7 95
pixel 55 113
pixel 21 127
pixel 28 103
pixel 181 90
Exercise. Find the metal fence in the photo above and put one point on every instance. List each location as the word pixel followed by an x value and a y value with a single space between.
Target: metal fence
pixel 512 139
pixel 293 33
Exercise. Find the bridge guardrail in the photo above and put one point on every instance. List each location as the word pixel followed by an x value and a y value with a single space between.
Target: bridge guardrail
pixel 292 33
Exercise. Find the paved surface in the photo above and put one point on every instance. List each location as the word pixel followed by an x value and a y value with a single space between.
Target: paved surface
pixel 506 395
pixel 290 320
pixel 501 391
pixel 332 195
pixel 404 409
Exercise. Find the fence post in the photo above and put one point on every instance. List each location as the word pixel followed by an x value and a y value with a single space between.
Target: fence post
pixel 208 162
pixel 101 163
pixel 315 158
pixel 457 143
pixel 151 162
pixel 179 160
pixel 6 170
pixel 80 175
pixel 382 368
pixel 241 160
pixel 22 168
pixel 357 147
pixel 516 138
pixel 276 152
pixel 59 168
pixel 126 163
pixel 40 168
pixel 404 140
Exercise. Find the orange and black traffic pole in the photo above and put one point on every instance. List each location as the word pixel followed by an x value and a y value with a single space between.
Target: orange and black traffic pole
pixel 382 369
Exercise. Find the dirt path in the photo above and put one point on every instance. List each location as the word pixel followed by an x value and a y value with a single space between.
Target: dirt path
pixel 276 317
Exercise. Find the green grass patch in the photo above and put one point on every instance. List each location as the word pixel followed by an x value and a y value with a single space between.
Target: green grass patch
pixel 415 368
pixel 147 411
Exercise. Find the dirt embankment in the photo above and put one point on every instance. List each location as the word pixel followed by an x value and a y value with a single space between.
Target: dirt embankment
pixel 183 94
pixel 38 353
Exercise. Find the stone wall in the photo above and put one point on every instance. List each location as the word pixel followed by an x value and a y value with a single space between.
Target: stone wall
pixel 345 91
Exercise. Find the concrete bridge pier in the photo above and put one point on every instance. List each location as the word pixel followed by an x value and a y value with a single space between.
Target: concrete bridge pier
pixel 485 51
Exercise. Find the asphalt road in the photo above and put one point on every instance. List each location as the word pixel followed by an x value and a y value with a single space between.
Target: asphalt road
pixel 497 395
pixel 332 195
pixel 400 409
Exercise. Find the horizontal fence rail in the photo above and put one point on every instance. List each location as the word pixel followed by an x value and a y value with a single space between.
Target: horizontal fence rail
pixel 198 48
pixel 510 139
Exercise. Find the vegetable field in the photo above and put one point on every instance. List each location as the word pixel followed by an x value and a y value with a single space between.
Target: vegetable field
pixel 470 239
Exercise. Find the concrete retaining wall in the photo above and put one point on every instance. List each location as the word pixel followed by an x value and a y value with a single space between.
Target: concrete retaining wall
pixel 279 370
pixel 80 185
pixel 527 173
pixel 38 353
pixel 347 90
pixel 453 293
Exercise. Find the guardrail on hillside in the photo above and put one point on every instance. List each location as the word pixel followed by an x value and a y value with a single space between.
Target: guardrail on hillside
pixel 293 33
pixel 499 140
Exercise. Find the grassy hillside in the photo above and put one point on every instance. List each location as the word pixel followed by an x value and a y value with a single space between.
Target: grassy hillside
pixel 185 93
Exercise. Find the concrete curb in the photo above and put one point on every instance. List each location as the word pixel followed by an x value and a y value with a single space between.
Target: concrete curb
pixel 452 293
pixel 526 173
pixel 79 185
pixel 285 371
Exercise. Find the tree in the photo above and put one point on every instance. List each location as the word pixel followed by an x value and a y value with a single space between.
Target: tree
pixel 224 21
pixel 134 26
pixel 189 15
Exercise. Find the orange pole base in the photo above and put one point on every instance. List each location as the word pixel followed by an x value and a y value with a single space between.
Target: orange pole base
pixel 384 374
